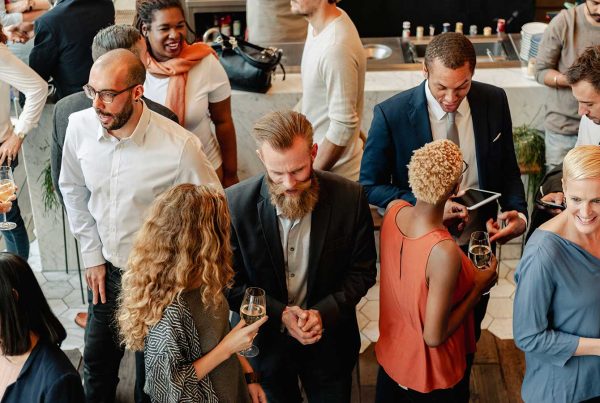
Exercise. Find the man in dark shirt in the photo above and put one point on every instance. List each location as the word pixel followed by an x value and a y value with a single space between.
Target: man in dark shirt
pixel 63 39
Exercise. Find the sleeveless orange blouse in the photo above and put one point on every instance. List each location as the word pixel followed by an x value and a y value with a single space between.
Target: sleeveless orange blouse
pixel 401 349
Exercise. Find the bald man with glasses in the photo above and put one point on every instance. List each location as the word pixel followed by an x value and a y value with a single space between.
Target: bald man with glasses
pixel 118 156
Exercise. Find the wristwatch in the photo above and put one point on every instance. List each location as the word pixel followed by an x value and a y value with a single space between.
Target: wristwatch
pixel 20 135
pixel 252 377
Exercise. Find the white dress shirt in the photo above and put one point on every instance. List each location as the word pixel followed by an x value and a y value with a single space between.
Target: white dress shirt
pixel 295 241
pixel 109 184
pixel 464 123
pixel 466 136
pixel 13 72
pixel 589 133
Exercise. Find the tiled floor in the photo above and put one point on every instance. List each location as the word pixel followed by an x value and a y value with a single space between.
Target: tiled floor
pixel 63 293
pixel 64 296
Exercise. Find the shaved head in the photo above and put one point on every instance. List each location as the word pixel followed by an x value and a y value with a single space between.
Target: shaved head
pixel 123 64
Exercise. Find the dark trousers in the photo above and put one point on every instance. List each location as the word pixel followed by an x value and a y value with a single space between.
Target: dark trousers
pixel 289 363
pixel 388 391
pixel 102 354
pixel 16 240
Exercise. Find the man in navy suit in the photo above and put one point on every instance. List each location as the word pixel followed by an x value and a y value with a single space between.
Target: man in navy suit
pixel 448 104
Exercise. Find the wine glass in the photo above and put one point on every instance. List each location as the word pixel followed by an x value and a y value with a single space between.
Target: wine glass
pixel 480 250
pixel 7 189
pixel 253 309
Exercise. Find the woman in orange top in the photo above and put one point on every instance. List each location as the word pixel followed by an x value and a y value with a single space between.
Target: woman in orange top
pixel 428 288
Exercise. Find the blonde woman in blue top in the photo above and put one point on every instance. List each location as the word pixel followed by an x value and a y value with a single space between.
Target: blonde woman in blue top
pixel 557 303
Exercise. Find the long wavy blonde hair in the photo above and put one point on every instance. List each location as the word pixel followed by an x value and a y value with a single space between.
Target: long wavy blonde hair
pixel 183 244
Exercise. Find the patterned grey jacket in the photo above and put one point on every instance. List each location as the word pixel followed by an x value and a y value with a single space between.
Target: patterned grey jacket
pixel 171 347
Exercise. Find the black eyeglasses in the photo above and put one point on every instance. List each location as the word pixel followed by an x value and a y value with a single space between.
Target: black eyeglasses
pixel 106 96
pixel 465 168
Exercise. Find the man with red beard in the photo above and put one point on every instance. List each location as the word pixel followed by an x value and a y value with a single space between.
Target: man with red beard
pixel 118 156
pixel 306 238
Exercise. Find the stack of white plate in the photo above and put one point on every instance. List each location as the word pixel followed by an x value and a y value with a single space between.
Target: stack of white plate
pixel 531 36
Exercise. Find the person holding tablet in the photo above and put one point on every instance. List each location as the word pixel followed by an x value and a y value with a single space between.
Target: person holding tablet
pixel 449 104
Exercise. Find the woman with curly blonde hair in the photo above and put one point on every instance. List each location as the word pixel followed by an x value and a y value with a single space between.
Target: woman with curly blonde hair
pixel 428 289
pixel 172 305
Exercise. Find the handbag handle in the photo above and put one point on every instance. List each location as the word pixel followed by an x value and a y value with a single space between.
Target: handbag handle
pixel 222 40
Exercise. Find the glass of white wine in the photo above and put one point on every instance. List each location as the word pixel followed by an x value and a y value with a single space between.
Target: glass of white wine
pixel 253 309
pixel 480 250
pixel 7 189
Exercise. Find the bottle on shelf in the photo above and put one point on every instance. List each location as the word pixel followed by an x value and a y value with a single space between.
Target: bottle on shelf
pixel 446 27
pixel 226 25
pixel 420 32
pixel 431 29
pixel 237 28
pixel 459 27
pixel 406 29
pixel 473 30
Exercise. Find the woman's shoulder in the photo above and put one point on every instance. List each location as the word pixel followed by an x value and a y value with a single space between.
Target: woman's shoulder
pixel 542 252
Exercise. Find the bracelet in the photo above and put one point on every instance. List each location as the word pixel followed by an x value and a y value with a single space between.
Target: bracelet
pixel 556 80
pixel 252 377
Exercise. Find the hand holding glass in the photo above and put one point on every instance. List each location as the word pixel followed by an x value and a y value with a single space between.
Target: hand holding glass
pixel 254 308
pixel 7 189
pixel 480 250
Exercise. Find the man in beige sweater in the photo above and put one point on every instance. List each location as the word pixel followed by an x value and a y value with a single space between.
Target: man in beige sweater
pixel 333 80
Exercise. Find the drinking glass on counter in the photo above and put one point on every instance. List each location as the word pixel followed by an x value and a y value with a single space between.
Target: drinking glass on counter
pixel 254 308
pixel 7 189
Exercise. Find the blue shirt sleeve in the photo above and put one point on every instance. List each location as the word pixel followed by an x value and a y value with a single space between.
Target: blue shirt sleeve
pixel 532 306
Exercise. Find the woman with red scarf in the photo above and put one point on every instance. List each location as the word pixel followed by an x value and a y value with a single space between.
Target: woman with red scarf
pixel 189 80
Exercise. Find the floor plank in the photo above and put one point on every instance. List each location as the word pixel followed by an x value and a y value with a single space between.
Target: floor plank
pixel 487 384
pixel 487 351
pixel 512 362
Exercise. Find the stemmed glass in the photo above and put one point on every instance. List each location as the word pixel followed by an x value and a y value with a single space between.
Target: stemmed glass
pixel 253 309
pixel 7 189
pixel 480 250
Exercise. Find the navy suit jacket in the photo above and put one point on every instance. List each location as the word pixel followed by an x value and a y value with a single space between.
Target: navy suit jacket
pixel 401 125
pixel 63 42
pixel 341 267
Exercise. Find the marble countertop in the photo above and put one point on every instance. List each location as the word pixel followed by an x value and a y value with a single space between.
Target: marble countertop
pixel 397 81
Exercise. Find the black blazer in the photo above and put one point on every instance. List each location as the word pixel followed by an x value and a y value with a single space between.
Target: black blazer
pixel 341 262
pixel 401 125
pixel 63 42
pixel 46 376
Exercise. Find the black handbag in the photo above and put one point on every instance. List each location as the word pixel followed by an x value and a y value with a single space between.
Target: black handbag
pixel 248 66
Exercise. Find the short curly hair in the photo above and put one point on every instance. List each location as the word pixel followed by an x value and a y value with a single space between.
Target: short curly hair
pixel 434 170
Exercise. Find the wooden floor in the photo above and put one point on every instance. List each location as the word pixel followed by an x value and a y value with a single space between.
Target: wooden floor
pixel 496 376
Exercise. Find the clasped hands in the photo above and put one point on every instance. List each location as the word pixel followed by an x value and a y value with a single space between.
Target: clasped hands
pixel 19 33
pixel 304 325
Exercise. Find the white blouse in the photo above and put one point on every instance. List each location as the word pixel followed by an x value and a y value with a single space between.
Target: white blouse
pixel 15 73
pixel 206 83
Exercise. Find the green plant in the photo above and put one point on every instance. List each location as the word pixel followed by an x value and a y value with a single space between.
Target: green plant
pixel 530 151
pixel 48 194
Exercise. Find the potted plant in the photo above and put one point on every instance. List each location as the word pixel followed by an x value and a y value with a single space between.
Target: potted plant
pixel 530 150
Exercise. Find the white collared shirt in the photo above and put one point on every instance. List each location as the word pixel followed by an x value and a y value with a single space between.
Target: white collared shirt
pixel 13 72
pixel 589 132
pixel 295 243
pixel 466 134
pixel 109 184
